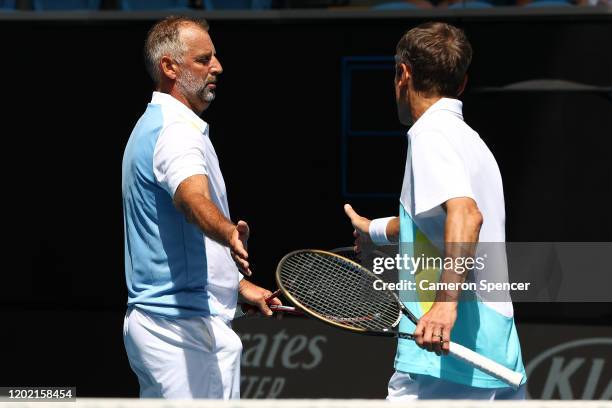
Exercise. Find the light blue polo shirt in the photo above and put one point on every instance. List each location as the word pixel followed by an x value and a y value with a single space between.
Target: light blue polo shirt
pixel 447 159
pixel 171 268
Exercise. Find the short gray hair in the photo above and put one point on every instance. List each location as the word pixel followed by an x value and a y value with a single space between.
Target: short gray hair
pixel 164 39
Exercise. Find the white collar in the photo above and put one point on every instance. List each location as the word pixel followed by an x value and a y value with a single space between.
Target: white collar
pixel 455 106
pixel 169 101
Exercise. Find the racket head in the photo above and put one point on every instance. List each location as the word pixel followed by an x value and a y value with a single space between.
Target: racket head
pixel 337 291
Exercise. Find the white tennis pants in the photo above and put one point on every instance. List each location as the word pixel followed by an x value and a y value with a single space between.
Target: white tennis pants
pixel 183 358
pixel 406 387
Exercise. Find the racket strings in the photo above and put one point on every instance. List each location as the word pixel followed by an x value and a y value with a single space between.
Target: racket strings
pixel 361 313
pixel 339 291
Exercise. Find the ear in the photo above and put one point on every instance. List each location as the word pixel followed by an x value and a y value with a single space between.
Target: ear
pixel 402 74
pixel 168 67
pixel 462 87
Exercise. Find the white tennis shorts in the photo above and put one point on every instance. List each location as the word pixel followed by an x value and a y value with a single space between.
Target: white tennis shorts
pixel 183 358
pixel 405 387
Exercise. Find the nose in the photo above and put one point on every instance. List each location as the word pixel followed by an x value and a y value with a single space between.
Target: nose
pixel 216 67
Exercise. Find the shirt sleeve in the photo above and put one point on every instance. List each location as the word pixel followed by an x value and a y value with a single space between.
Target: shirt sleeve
pixel 438 170
pixel 179 153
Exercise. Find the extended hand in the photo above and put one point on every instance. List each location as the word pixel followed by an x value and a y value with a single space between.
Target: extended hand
pixel 434 329
pixel 257 297
pixel 363 243
pixel 238 247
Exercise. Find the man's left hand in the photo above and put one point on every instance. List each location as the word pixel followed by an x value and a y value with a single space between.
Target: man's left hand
pixel 256 298
pixel 434 328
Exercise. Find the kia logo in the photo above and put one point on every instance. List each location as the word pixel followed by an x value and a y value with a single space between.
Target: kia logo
pixel 580 369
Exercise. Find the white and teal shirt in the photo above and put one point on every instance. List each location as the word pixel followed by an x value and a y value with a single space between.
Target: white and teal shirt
pixel 171 268
pixel 447 159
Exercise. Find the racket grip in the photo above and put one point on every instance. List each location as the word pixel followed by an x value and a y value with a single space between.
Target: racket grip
pixel 286 309
pixel 273 295
pixel 489 366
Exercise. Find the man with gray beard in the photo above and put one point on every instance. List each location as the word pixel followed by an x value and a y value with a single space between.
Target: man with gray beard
pixel 184 257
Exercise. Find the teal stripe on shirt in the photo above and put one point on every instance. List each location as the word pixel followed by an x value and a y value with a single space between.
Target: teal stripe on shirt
pixel 478 327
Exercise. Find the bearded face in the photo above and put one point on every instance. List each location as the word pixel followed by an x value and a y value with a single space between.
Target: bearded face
pixel 194 87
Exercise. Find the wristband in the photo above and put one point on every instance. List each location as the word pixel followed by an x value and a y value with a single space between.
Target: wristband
pixel 378 231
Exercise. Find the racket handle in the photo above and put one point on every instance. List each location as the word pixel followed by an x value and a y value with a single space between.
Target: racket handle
pixel 273 295
pixel 286 309
pixel 489 366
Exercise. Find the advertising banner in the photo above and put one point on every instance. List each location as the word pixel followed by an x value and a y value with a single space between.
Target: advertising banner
pixel 298 357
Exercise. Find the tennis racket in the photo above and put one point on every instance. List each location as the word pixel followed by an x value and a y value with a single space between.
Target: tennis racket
pixel 340 292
